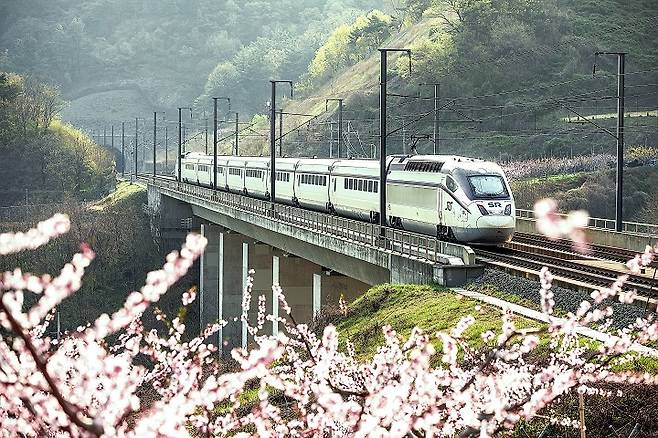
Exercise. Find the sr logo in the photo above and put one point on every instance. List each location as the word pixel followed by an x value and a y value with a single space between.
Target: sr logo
pixel 495 204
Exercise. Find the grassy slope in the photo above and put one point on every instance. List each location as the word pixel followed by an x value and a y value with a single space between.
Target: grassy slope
pixel 432 308
pixel 436 309
pixel 124 192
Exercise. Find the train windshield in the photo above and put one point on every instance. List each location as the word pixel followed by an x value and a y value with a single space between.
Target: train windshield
pixel 488 186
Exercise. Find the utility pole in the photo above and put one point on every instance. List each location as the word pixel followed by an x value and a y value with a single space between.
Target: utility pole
pixel 621 68
pixel 166 149
pixel 281 132
pixel 136 140
pixel 205 118
pixel 104 136
pixel 237 139
pixel 214 142
pixel 180 142
pixel 155 135
pixel 331 139
pixel 383 132
pixel 123 148
pixel 180 138
pixel 340 123
pixel 273 136
pixel 214 136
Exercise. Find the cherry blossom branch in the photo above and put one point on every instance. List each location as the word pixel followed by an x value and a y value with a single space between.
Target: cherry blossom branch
pixel 69 410
pixel 45 231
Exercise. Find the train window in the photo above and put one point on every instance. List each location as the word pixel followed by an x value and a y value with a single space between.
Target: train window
pixel 360 185
pixel 376 186
pixel 370 186
pixel 324 180
pixel 345 183
pixel 334 184
pixel 350 184
pixel 451 184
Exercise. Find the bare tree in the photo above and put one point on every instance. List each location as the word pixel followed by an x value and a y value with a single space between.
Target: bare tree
pixel 451 12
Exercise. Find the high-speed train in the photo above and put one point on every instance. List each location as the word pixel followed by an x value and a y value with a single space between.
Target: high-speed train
pixel 451 197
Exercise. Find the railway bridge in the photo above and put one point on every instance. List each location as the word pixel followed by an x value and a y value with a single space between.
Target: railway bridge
pixel 315 257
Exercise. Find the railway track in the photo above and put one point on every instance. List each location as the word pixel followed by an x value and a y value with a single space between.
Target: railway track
pixel 567 271
pixel 597 251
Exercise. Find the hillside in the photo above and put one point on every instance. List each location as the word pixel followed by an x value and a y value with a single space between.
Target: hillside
pixel 511 73
pixel 118 231
pixel 434 309
pixel 169 52
pixel 45 159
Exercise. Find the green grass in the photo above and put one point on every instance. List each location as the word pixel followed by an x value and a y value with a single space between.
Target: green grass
pixel 431 308
pixel 124 191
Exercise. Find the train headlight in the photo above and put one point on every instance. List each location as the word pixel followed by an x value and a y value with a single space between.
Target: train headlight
pixel 483 210
pixel 508 209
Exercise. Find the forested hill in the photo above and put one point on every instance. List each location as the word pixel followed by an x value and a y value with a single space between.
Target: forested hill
pixel 167 48
pixel 510 72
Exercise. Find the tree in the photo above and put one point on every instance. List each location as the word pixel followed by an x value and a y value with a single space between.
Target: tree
pixel 87 385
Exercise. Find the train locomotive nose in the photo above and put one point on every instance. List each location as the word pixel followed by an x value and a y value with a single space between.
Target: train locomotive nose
pixel 494 229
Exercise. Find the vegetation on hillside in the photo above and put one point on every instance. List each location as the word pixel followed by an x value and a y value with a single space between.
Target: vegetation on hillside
pixel 168 48
pixel 118 231
pixel 510 72
pixel 42 155
pixel 347 45
pixel 545 50
pixel 595 193
pixel 434 309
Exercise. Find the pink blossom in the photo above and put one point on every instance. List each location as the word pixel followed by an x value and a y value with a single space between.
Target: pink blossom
pixel 88 384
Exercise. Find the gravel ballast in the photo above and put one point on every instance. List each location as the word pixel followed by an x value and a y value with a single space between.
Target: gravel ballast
pixel 566 300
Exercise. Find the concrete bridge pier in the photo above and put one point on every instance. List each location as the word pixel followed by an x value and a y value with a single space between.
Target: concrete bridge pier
pixel 223 277
pixel 222 282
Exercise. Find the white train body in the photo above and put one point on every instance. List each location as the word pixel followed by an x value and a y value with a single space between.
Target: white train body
pixel 451 197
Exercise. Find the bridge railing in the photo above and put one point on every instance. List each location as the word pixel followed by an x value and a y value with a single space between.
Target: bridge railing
pixel 392 240
pixel 602 223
